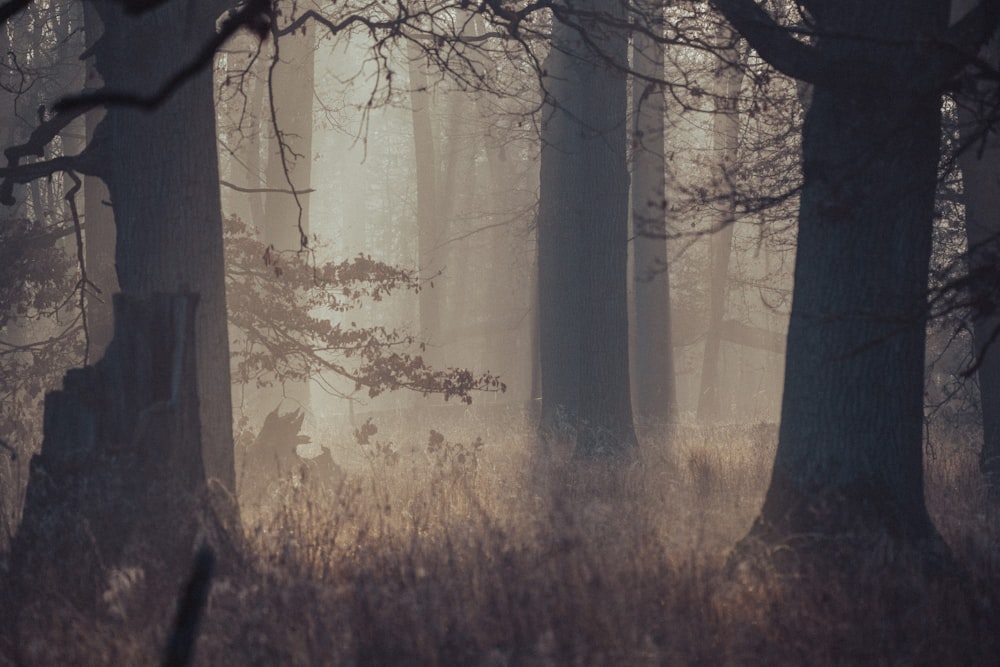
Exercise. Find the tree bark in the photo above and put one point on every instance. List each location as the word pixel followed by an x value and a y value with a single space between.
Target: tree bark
pixel 980 163
pixel 164 185
pixel 119 480
pixel 560 297
pixel 847 481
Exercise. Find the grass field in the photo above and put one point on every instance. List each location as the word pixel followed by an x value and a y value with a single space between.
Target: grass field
pixel 452 551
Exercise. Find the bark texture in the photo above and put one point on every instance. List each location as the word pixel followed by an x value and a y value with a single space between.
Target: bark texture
pixel 583 238
pixel 119 481
pixel 164 185
pixel 848 475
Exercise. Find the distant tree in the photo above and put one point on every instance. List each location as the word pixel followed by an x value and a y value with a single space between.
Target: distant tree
pixel 849 468
pixel 653 364
pixel 583 232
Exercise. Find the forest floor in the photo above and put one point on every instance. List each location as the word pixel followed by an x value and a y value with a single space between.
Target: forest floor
pixel 457 551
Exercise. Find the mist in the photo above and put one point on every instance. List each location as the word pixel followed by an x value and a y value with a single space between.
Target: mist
pixel 612 333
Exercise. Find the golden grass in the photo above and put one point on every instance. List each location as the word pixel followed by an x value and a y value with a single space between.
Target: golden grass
pixel 441 551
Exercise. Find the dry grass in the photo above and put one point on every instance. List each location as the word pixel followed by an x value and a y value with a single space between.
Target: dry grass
pixel 439 551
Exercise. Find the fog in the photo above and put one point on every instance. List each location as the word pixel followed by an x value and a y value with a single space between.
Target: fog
pixel 498 334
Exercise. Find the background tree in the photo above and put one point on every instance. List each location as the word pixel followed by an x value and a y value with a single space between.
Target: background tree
pixel 653 362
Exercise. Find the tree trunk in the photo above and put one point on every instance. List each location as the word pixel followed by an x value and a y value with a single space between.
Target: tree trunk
pixel 119 480
pixel 725 142
pixel 653 362
pixel 560 293
pixel 980 163
pixel 429 222
pixel 164 185
pixel 286 215
pixel 849 460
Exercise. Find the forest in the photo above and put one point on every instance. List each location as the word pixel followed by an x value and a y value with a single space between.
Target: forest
pixel 499 332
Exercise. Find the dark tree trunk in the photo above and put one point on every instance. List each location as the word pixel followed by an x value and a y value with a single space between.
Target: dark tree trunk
pixel 583 242
pixel 653 362
pixel 119 480
pixel 164 185
pixel 606 427
pixel 560 294
pixel 980 162
pixel 850 443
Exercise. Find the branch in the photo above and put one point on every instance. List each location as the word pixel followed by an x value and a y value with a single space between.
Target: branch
pixel 773 42
pixel 281 191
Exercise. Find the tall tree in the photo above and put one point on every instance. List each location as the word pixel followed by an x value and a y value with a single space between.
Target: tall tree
pixel 583 231
pixel 164 184
pixel 727 82
pixel 653 362
pixel 849 468
pixel 980 163
pixel 560 299
pixel 429 219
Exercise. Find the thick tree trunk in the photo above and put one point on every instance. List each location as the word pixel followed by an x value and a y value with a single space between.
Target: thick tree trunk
pixel 653 362
pixel 980 164
pixel 119 481
pixel 849 460
pixel 164 185
pixel 560 297
pixel 606 426
pixel 583 241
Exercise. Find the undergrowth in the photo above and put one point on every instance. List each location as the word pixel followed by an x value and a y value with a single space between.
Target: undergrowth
pixel 441 549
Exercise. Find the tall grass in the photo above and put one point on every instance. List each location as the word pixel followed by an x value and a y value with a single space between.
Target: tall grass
pixel 438 549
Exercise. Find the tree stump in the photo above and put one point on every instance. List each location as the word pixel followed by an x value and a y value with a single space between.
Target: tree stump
pixel 119 482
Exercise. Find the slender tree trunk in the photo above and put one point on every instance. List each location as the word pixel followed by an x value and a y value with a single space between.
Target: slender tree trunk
pixel 164 185
pixel 980 162
pixel 725 142
pixel 289 158
pixel 653 361
pixel 429 222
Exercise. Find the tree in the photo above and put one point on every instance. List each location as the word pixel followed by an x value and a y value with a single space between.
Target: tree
pixel 725 143
pixel 849 468
pixel 167 210
pixel 980 163
pixel 583 233
pixel 653 361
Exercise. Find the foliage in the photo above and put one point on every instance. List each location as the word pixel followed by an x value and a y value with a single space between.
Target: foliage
pixel 284 310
